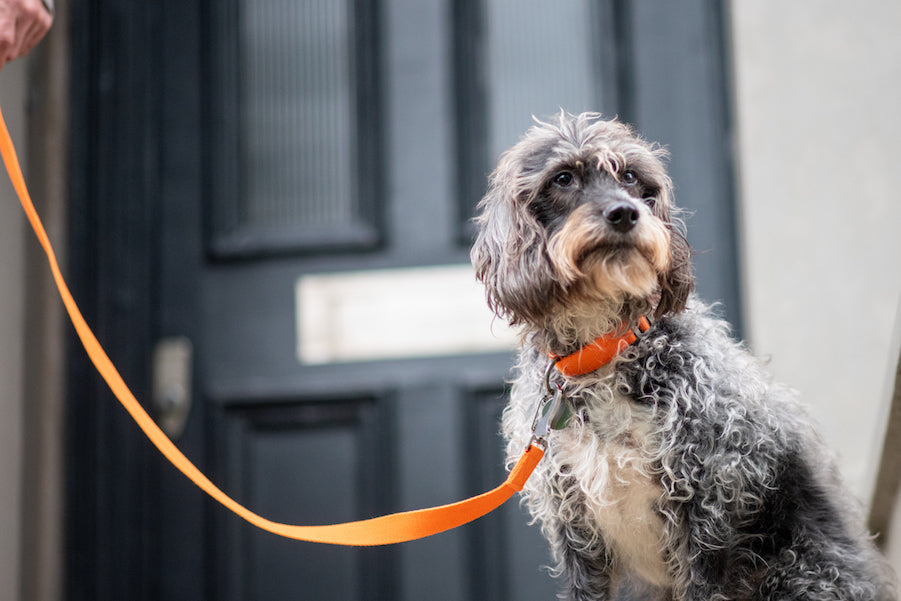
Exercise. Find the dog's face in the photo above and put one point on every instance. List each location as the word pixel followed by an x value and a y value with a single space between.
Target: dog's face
pixel 578 214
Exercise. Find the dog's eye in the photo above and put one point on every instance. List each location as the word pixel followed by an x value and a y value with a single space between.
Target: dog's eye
pixel 629 178
pixel 563 179
pixel 650 195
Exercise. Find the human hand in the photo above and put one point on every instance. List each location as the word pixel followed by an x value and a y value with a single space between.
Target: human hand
pixel 22 25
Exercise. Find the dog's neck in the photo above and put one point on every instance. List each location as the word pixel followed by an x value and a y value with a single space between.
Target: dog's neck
pixel 601 351
pixel 567 331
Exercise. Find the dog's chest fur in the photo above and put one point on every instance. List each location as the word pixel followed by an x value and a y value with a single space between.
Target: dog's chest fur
pixel 598 472
pixel 608 452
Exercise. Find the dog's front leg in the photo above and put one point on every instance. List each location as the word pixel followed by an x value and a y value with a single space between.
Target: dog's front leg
pixel 585 565
pixel 717 497
pixel 709 577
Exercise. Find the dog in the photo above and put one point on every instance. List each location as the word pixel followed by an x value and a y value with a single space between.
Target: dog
pixel 678 469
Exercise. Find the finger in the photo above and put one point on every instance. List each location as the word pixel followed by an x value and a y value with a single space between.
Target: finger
pixel 7 37
pixel 34 34
pixel 7 53
pixel 31 28
pixel 7 29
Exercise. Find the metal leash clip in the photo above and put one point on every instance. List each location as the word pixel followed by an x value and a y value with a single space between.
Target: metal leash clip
pixel 553 412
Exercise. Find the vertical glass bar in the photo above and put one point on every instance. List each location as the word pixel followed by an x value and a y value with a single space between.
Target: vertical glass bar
pixel 297 99
pixel 540 58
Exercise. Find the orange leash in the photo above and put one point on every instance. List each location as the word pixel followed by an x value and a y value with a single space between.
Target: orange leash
pixel 389 529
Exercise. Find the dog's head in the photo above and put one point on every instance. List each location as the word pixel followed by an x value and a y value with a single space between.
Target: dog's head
pixel 578 218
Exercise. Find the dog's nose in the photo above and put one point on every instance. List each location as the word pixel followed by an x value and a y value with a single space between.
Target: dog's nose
pixel 622 216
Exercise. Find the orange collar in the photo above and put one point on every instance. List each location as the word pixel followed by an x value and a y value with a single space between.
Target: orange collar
pixel 599 353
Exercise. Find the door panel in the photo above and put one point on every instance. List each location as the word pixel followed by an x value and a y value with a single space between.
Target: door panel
pixel 304 462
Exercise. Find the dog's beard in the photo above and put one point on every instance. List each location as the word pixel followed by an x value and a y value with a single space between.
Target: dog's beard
pixel 584 254
pixel 610 276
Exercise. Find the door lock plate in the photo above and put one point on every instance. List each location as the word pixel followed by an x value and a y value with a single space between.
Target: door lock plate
pixel 172 378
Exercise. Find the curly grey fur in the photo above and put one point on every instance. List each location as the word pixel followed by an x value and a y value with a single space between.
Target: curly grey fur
pixel 685 469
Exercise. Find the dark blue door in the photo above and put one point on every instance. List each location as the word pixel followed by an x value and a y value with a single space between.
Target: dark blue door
pixel 261 178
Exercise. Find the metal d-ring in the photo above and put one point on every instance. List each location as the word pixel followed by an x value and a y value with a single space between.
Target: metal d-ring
pixel 547 376
pixel 553 412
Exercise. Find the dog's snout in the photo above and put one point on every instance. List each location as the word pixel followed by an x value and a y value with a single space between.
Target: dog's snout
pixel 621 216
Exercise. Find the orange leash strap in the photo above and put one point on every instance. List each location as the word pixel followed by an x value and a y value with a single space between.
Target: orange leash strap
pixel 389 529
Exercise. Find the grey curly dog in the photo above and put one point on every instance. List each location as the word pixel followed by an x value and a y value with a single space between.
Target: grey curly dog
pixel 682 472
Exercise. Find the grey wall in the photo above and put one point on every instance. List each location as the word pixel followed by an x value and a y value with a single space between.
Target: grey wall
pixel 818 86
pixel 12 276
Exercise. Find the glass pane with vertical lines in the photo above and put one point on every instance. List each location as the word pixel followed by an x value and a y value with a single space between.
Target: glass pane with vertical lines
pixel 540 58
pixel 298 117
pixel 286 172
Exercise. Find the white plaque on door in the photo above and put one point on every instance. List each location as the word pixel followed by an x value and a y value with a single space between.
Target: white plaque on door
pixel 395 313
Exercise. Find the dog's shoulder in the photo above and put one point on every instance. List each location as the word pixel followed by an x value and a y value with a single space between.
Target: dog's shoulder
pixel 699 329
pixel 694 354
pixel 685 344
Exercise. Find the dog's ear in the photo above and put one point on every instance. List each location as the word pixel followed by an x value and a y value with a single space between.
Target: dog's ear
pixel 509 253
pixel 677 283
pixel 488 249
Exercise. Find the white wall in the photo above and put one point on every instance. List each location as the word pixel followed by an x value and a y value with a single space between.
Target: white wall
pixel 12 102
pixel 818 91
